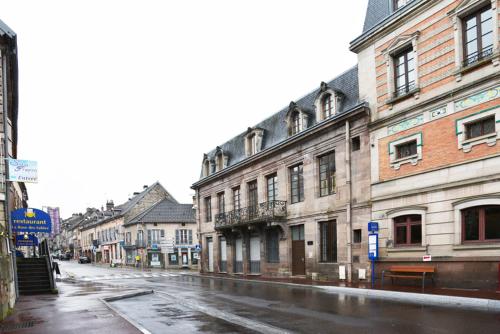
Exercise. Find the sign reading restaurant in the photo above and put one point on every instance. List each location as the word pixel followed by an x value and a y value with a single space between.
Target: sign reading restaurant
pixel 22 170
pixel 31 221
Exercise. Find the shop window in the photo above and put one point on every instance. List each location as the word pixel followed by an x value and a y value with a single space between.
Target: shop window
pixel 328 241
pixel 272 246
pixel 481 224
pixel 408 230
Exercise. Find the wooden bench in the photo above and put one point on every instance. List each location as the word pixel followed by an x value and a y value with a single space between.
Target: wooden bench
pixel 409 272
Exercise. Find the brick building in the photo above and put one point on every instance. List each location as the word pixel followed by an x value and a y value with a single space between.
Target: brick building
pixel 430 72
pixel 288 196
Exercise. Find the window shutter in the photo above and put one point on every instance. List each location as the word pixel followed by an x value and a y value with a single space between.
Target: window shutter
pixel 176 237
pixel 162 234
pixel 190 236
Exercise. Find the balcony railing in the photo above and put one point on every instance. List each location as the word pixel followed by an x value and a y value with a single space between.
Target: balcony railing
pixel 478 56
pixel 267 211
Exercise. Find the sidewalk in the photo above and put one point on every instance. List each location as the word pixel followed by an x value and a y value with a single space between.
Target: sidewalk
pixel 76 309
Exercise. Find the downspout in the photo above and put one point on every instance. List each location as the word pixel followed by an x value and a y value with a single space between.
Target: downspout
pixel 198 213
pixel 349 199
pixel 5 100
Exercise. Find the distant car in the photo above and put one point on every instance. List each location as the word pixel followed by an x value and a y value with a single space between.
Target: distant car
pixel 84 259
pixel 65 256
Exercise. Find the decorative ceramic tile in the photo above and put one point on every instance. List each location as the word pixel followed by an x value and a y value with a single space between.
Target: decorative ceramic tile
pixel 404 125
pixel 478 98
pixel 440 112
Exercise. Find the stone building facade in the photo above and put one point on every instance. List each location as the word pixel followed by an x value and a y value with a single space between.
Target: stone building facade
pixel 13 195
pixel 290 196
pixel 430 72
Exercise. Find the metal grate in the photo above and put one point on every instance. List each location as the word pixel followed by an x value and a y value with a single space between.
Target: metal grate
pixel 16 326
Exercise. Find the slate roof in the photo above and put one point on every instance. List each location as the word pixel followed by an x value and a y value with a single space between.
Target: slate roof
pixel 165 211
pixel 5 30
pixel 379 10
pixel 275 127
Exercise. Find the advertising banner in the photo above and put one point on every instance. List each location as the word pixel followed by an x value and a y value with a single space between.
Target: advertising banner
pixel 31 221
pixel 28 240
pixel 22 171
pixel 55 219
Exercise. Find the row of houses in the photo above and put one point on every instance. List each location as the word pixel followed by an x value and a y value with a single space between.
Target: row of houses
pixel 151 229
pixel 407 138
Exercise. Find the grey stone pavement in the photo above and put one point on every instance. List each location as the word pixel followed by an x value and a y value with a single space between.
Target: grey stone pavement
pixel 193 304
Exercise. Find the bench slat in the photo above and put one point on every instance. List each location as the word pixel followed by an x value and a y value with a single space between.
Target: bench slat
pixel 412 269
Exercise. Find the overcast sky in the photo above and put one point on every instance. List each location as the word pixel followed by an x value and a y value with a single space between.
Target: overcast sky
pixel 115 95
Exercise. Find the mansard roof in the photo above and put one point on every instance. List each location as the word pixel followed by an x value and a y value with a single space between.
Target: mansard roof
pixel 5 30
pixel 275 127
pixel 165 211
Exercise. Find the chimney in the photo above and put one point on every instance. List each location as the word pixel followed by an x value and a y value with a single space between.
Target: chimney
pixel 145 186
pixel 136 193
pixel 110 205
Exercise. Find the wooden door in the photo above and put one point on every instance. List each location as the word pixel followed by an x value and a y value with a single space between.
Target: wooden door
pixel 298 251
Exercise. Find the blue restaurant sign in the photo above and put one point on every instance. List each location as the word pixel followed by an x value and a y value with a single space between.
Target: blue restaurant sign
pixel 31 221
pixel 26 240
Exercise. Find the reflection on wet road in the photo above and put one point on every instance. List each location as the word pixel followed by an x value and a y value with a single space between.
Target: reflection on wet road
pixel 198 304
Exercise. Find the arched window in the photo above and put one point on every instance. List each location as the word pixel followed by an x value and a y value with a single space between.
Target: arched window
pixel 481 224
pixel 327 106
pixel 408 230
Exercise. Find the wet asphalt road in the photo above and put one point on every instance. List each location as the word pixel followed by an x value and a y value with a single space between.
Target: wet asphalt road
pixel 190 304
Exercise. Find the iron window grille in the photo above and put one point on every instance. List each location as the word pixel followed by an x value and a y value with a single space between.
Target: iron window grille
pixel 480 128
pixel 406 150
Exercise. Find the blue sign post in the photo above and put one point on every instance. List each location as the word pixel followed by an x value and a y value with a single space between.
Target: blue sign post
pixel 30 221
pixel 27 240
pixel 373 246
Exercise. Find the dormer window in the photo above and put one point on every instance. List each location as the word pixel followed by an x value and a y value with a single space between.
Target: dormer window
pixel 400 3
pixel 327 106
pixel 253 141
pixel 297 119
pixel 221 159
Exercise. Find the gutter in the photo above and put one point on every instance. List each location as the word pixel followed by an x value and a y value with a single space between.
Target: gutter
pixel 317 127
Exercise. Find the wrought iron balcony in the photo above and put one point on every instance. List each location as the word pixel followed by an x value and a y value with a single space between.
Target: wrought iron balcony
pixel 264 212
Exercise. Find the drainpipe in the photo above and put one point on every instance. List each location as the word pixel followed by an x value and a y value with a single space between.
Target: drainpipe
pixel 5 100
pixel 349 199
pixel 198 227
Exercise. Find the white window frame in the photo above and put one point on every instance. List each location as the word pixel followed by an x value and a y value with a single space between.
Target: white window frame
pixel 399 44
pixel 490 139
pixel 396 163
pixel 464 9
pixel 336 100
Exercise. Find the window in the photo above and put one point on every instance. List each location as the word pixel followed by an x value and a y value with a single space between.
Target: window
pixel 208 209
pixel 272 246
pixel 356 236
pixel 408 230
pixel 481 224
pixel 272 187
pixel 477 35
pixel 327 106
pixel 154 236
pixel 328 241
pixel 183 237
pixel 297 183
pixel 400 3
pixel 128 237
pixel 327 174
pixel 236 198
pixel 355 144
pixel 404 72
pixel 252 198
pixel 297 123
pixel 221 202
pixel 406 150
pixel 480 128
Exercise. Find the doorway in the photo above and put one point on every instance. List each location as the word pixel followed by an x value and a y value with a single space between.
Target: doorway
pixel 298 251
pixel 210 247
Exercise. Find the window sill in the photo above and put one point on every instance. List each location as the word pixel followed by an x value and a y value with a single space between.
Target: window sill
pixel 413 160
pixel 478 246
pixel 404 249
pixel 460 71
pixel 414 92
pixel 489 139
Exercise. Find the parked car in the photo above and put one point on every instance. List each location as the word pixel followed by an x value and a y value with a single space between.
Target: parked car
pixel 65 256
pixel 84 259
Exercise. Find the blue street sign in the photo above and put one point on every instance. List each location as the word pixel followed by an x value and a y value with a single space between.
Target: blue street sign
pixel 372 226
pixel 26 240
pixel 373 246
pixel 30 220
